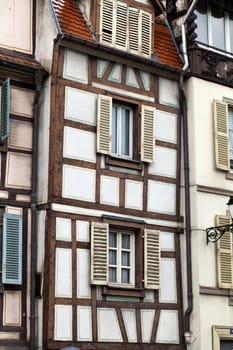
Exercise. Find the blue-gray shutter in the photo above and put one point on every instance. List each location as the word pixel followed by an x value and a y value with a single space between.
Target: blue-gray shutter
pixel 5 110
pixel 12 249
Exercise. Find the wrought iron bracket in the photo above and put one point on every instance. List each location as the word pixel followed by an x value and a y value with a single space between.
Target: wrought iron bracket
pixel 213 234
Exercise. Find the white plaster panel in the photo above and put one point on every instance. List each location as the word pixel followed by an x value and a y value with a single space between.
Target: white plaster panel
pixel 18 170
pixel 63 273
pixel 168 92
pixel 78 183
pixel 63 322
pixel 101 67
pixel 109 190
pixel 161 197
pixel 16 25
pixel 166 126
pixel 168 328
pixel 149 296
pixel 22 102
pixel 145 79
pixel 9 336
pixel 76 66
pixel 131 78
pixel 82 231
pixel 79 144
pixel 166 240
pixel 83 273
pixel 63 229
pixel 115 74
pixel 168 288
pixel 133 194
pixel 147 318
pixel 108 326
pixel 23 198
pixel 84 323
pixel 80 106
pixel 12 308
pixel 20 134
pixel 165 162
pixel 14 210
pixel 130 324
pixel 4 194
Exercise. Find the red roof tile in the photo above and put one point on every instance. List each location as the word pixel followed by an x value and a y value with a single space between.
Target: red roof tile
pixel 73 23
pixel 71 19
pixel 11 57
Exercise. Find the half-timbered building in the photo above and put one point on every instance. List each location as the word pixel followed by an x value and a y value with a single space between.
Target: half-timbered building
pixel 110 200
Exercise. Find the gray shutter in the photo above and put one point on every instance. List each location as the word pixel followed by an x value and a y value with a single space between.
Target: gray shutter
pixel 104 124
pixel 146 34
pixel 222 153
pixel 5 109
pixel 99 253
pixel 152 259
pixel 224 254
pixel 121 24
pixel 107 21
pixel 12 249
pixel 147 134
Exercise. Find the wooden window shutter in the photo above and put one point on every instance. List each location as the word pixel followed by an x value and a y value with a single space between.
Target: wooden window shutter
pixel 104 124
pixel 107 21
pixel 12 249
pixel 121 24
pixel 5 109
pixel 146 33
pixel 224 254
pixel 221 135
pixel 133 29
pixel 99 253
pixel 147 134
pixel 152 259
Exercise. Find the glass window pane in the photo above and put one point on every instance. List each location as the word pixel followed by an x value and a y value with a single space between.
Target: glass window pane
pixel 112 274
pixel 125 276
pixel 125 259
pixel 125 132
pixel 125 243
pixel 218 29
pixel 202 27
pixel 112 239
pixel 112 257
pixel 231 31
pixel 226 345
pixel 114 129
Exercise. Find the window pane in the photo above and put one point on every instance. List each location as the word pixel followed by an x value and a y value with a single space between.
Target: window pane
pixel 226 345
pixel 125 276
pixel 218 29
pixel 231 31
pixel 125 132
pixel 112 239
pixel 112 257
pixel 201 31
pixel 125 259
pixel 112 274
pixel 114 130
pixel 125 242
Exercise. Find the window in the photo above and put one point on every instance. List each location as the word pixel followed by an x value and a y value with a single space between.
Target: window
pixel 222 338
pixel 115 257
pixel 126 27
pixel 226 345
pixel 214 27
pixel 115 123
pixel 5 110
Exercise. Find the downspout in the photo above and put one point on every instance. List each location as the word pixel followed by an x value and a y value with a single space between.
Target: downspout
pixel 33 316
pixel 183 104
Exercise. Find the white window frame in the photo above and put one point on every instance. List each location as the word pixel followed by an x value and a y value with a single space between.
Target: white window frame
pixel 119 250
pixel 220 333
pixel 119 110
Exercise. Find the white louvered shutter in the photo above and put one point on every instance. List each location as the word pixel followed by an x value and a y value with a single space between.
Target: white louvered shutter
pixel 107 21
pixel 147 134
pixel 99 253
pixel 121 25
pixel 146 34
pixel 224 254
pixel 104 124
pixel 133 29
pixel 221 135
pixel 152 259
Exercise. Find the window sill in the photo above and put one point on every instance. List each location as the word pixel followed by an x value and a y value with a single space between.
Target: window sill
pixel 123 292
pixel 124 163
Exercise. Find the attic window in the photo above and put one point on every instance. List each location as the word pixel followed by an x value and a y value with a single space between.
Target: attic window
pixel 126 27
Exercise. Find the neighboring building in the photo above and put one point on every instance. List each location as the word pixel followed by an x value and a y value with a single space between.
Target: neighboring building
pixel 110 197
pixel 20 84
pixel 208 86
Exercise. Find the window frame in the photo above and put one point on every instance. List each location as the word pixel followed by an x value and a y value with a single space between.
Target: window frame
pixel 220 333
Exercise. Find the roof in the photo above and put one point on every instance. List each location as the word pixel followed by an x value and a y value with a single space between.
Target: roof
pixel 11 57
pixel 72 23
